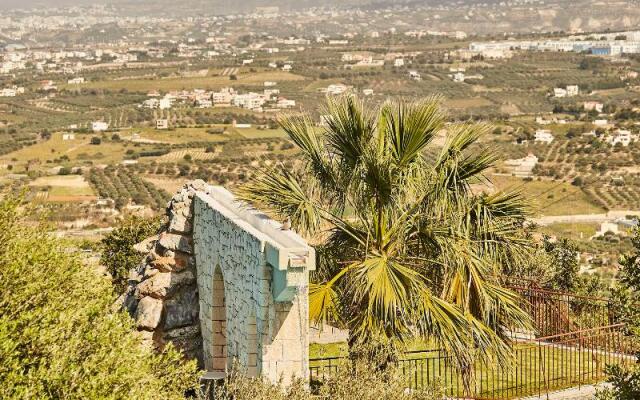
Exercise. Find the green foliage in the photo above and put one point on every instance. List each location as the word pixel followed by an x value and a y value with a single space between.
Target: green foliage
pixel 625 295
pixel 630 271
pixel 564 263
pixel 624 306
pixel 410 249
pixel 118 255
pixel 59 335
pixel 124 185
pixel 625 384
pixel 351 381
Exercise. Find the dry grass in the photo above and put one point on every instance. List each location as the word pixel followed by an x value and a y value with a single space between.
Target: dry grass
pixel 187 83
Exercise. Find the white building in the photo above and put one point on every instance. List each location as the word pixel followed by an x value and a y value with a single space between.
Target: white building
pixel 162 124
pixel 250 101
pixel 523 167
pixel 224 96
pixel 593 106
pixel 68 136
pixel 337 88
pixel 76 81
pixel 415 75
pixel 573 90
pixel 285 103
pixel 621 136
pixel 165 103
pixel 99 126
pixel 559 92
pixel 607 227
pixel 398 62
pixel 458 77
pixel 543 136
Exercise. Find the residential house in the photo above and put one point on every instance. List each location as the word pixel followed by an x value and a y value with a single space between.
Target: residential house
pixel 559 92
pixel 337 88
pixel 621 136
pixel 165 103
pixel 523 167
pixel 285 103
pixel 593 106
pixel 99 126
pixel 162 124
pixel 543 136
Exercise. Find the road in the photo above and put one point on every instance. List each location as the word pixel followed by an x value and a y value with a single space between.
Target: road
pixel 580 218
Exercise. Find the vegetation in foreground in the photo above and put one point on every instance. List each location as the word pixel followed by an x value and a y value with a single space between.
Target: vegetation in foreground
pixel 352 381
pixel 625 382
pixel 59 335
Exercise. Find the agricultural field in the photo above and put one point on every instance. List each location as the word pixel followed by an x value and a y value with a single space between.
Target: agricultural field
pixel 63 188
pixel 244 78
pixel 549 197
pixel 126 187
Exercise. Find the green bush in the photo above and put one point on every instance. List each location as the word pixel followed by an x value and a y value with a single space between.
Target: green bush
pixel 357 380
pixel 625 384
pixel 118 255
pixel 59 335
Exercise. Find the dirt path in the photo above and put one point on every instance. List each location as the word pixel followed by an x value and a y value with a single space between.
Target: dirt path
pixel 586 392
pixel 554 219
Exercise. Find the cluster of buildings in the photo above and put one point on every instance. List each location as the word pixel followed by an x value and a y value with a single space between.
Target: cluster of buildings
pixel 608 44
pixel 460 35
pixel 569 91
pixel 268 100
pixel 12 91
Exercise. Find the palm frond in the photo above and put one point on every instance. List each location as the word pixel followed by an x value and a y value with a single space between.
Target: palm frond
pixel 410 127
pixel 301 131
pixel 324 303
pixel 280 192
pixel 349 130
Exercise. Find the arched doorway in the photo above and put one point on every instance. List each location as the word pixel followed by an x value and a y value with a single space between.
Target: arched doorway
pixel 219 324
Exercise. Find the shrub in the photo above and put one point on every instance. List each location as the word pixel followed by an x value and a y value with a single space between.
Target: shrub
pixel 59 335
pixel 625 384
pixel 351 381
pixel 118 255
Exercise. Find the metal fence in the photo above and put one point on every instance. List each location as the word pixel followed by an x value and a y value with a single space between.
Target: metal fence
pixel 554 313
pixel 538 366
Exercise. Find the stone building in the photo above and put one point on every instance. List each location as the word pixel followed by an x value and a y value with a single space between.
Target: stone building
pixel 225 283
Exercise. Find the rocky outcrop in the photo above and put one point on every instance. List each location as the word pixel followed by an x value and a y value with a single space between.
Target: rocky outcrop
pixel 162 295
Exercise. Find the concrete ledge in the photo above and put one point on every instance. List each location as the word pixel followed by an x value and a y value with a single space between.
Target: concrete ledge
pixel 289 246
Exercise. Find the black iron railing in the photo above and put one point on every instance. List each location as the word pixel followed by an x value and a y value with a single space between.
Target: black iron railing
pixel 538 365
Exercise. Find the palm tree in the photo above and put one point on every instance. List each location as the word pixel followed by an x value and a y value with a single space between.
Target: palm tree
pixel 406 249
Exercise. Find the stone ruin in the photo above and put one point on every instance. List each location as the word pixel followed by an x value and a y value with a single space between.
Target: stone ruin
pixel 225 283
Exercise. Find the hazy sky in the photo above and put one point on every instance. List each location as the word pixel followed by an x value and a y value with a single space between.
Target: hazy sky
pixel 49 3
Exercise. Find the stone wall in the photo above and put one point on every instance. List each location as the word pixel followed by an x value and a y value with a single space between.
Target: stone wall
pixel 225 283
pixel 265 337
pixel 163 293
